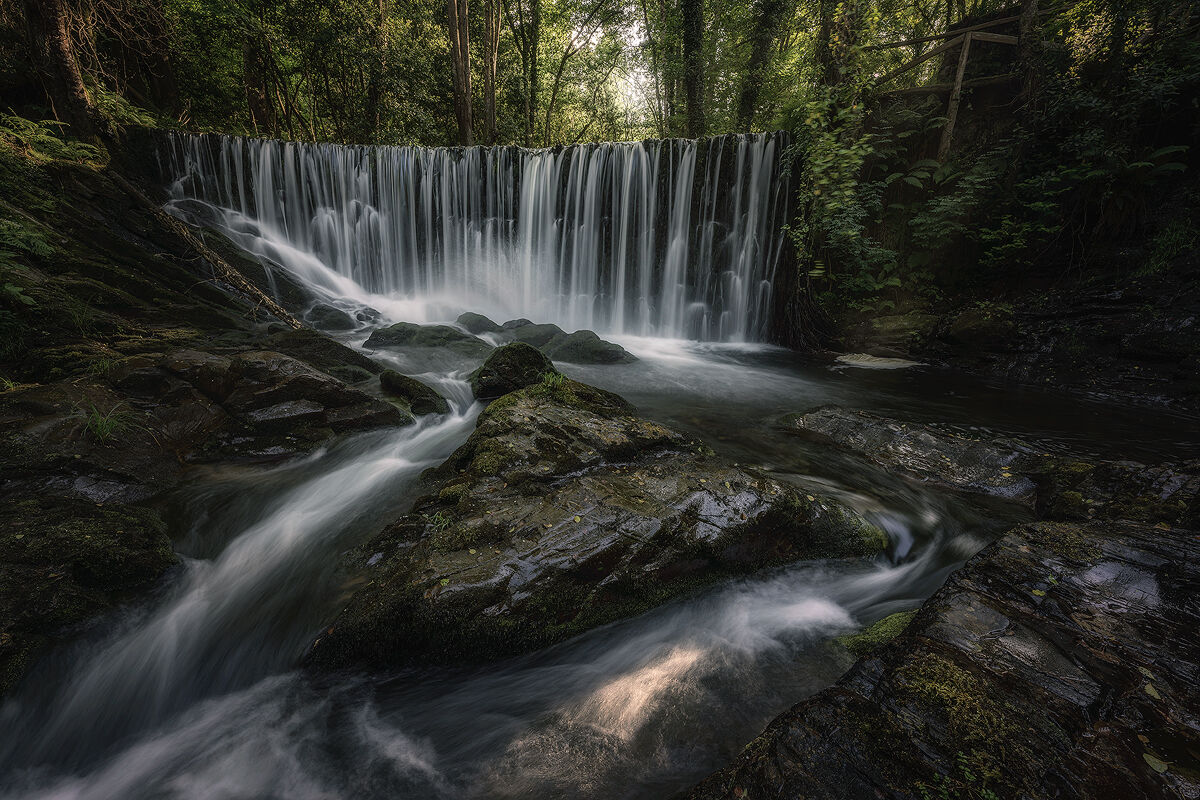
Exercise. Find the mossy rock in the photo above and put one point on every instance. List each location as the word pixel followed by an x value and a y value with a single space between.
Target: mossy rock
pixel 608 514
pixel 585 347
pixel 328 318
pixel 877 634
pixel 64 562
pixel 537 335
pixel 420 398
pixel 509 368
pixel 477 323
pixel 408 334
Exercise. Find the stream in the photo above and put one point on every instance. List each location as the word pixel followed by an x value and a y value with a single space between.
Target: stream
pixel 195 693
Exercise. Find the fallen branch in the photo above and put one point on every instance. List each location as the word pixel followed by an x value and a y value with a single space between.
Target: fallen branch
pixel 224 270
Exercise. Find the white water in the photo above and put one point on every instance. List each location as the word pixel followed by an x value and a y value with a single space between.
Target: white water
pixel 672 238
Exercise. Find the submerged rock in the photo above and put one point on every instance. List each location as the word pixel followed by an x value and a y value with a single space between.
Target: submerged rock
pixel 561 512
pixel 509 368
pixel 994 466
pixel 421 399
pixel 477 323
pixel 408 334
pixel 1059 662
pixel 585 347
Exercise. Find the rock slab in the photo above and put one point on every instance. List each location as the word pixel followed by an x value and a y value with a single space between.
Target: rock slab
pixel 1060 662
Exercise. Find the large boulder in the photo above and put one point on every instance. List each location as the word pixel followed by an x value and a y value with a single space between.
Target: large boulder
pixel 509 368
pixel 420 398
pixel 561 512
pixel 477 323
pixel 1059 662
pixel 408 334
pixel 322 353
pixel 537 335
pixel 585 347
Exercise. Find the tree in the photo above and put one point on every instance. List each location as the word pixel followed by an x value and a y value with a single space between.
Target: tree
pixel 693 65
pixel 769 18
pixel 524 19
pixel 48 23
pixel 460 58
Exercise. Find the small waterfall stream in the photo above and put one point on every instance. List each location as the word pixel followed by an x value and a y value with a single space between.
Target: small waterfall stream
pixel 672 238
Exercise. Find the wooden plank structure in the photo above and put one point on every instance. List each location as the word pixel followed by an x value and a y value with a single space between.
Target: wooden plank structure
pixel 962 39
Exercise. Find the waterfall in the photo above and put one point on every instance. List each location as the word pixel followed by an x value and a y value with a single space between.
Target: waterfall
pixel 673 238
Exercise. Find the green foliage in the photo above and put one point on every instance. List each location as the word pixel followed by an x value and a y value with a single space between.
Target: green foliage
pixel 968 782
pixel 555 386
pixel 43 140
pixel 107 425
pixel 1176 237
pixel 119 112
pixel 438 521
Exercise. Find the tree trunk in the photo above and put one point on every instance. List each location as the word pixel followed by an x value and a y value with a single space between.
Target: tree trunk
pixel 375 81
pixel 535 35
pixel 1028 47
pixel 255 76
pixel 491 56
pixel 827 72
pixel 460 56
pixel 770 15
pixel 693 65
pixel 50 43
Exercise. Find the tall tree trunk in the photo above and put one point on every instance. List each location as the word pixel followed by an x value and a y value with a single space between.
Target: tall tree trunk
pixel 375 80
pixel 1028 46
pixel 693 65
pixel 827 72
pixel 491 56
pixel 535 35
pixel 255 77
pixel 460 56
pixel 766 29
pixel 47 23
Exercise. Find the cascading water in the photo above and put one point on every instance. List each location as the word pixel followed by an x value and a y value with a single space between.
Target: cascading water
pixel 672 238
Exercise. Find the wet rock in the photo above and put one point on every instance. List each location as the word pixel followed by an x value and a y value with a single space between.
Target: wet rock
pixel 561 512
pixel 1059 487
pixel 420 398
pixel 585 347
pixel 1072 489
pixel 537 335
pixel 329 318
pixel 994 466
pixel 1059 662
pixel 407 334
pixel 367 314
pixel 322 353
pixel 513 324
pixel 62 563
pixel 477 323
pixel 509 368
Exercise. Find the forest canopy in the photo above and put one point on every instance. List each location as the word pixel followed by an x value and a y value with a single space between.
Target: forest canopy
pixel 531 72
